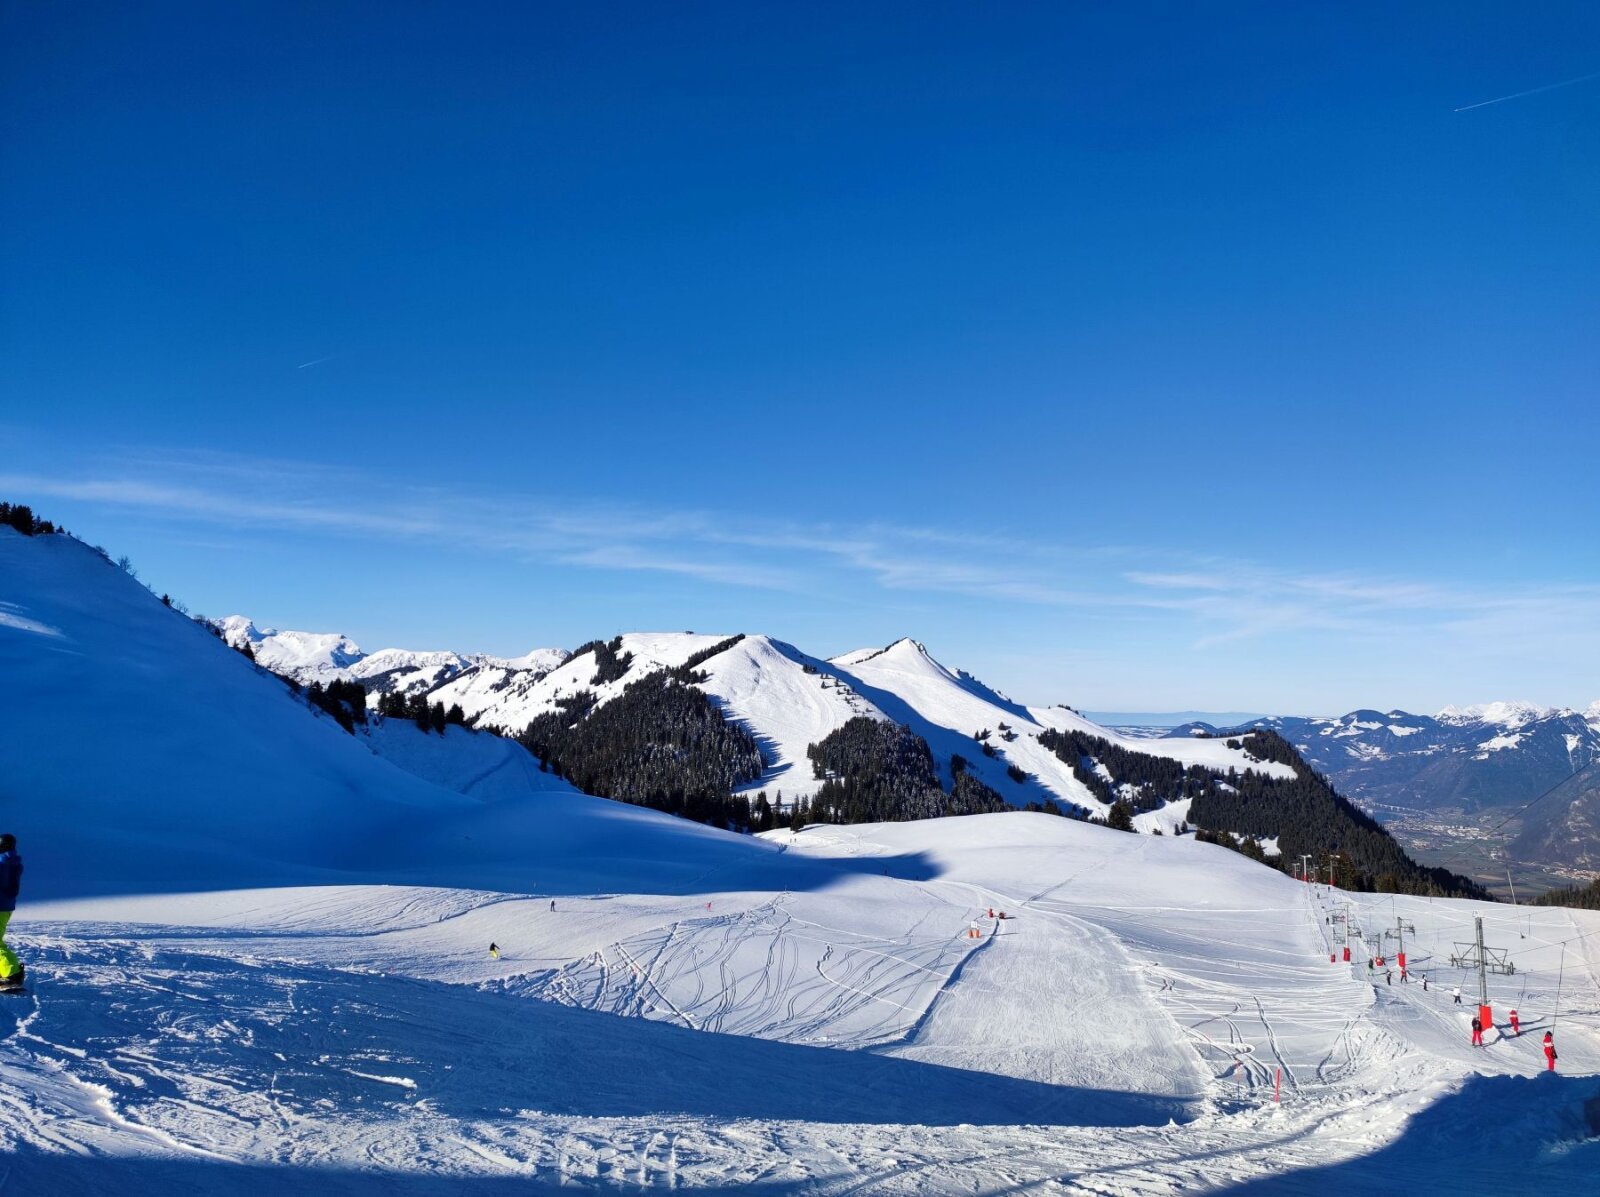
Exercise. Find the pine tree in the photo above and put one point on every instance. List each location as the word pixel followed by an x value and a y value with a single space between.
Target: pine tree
pixel 1120 816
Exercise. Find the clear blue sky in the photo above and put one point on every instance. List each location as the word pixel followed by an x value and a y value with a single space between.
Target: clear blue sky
pixel 1135 356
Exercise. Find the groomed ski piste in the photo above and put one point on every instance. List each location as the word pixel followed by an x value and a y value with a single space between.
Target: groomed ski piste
pixel 258 957
pixel 1123 1030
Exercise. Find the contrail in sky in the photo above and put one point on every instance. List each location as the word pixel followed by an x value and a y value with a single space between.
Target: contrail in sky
pixel 316 361
pixel 1532 91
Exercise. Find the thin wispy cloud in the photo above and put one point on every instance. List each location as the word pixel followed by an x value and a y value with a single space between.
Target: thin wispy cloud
pixel 627 557
pixel 1196 603
pixel 1246 600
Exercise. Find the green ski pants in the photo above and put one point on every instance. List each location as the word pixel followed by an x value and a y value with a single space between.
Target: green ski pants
pixel 8 959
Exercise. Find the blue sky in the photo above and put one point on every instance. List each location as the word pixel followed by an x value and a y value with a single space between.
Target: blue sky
pixel 1133 356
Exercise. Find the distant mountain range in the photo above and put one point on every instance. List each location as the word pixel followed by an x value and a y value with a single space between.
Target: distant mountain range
pixel 1163 719
pixel 1476 764
pixel 307 657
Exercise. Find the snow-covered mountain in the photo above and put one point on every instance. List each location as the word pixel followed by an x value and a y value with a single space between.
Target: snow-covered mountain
pixel 308 657
pixel 304 656
pixel 790 700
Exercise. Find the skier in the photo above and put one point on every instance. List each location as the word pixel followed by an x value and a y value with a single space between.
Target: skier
pixel 552 903
pixel 1424 983
pixel 1388 977
pixel 1549 1051
pixel 1516 1027
pixel 1477 1032
pixel 12 972
pixel 1457 992
pixel 494 950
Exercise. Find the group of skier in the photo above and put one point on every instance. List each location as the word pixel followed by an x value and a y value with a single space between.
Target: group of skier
pixel 1516 1030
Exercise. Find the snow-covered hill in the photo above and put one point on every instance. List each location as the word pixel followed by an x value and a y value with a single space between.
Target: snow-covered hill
pixel 150 757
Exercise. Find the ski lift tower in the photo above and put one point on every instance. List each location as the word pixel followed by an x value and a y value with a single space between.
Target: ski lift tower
pixel 1486 960
pixel 1399 936
pixel 1340 921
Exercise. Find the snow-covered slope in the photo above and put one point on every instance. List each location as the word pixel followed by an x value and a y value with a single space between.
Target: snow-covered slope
pixel 787 699
pixel 149 757
pixel 1123 1032
pixel 501 697
pixel 398 670
pixel 149 754
pixel 949 709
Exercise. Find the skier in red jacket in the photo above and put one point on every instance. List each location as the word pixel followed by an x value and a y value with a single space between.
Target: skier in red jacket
pixel 1549 1051
pixel 1477 1032
pixel 1516 1027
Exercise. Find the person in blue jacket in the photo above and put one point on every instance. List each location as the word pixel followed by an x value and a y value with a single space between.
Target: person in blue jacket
pixel 11 969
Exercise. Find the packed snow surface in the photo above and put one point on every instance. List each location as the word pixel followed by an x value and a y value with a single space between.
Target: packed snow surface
pixel 833 1030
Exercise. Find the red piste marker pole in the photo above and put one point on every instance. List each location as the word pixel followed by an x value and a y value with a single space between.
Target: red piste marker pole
pixel 1277 1083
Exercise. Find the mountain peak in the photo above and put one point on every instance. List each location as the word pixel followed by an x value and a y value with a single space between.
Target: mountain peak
pixel 1503 714
pixel 305 656
pixel 909 646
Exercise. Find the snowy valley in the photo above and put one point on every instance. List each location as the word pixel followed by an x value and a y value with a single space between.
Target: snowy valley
pixel 1451 783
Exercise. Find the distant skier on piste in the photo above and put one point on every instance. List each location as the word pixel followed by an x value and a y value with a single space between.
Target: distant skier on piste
pixel 12 971
pixel 1549 1051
